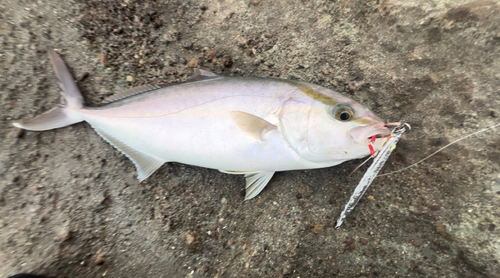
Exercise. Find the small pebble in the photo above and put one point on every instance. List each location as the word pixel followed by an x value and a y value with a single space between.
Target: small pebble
pixel 352 246
pixel 318 229
pixel 227 61
pixel 370 198
pixel 170 37
pixel 158 23
pixel 363 241
pixel 416 242
pixel 118 30
pixel 130 78
pixel 99 259
pixel 63 234
pixel 191 239
pixel 441 229
pixel 174 60
pixel 187 44
pixel 223 200
pixel 210 54
pixel 103 59
pixel 352 87
pixel 82 76
pixel 435 208
pixel 193 63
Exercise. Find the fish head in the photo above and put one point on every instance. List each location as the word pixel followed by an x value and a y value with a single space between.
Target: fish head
pixel 324 126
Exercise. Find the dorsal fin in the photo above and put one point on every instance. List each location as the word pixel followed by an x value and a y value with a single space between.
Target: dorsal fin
pixel 202 72
pixel 199 75
pixel 131 92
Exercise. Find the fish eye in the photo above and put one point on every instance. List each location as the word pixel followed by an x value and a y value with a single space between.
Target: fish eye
pixel 343 113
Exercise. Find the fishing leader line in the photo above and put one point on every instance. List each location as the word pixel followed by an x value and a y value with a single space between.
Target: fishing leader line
pixel 379 160
pixel 434 153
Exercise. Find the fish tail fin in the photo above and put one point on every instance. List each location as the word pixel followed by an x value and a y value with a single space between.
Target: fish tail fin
pixel 54 118
pixel 64 114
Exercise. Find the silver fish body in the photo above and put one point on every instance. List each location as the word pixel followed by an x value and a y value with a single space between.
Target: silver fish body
pixel 239 125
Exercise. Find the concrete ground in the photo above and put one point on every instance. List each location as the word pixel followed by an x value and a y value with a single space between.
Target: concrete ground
pixel 71 206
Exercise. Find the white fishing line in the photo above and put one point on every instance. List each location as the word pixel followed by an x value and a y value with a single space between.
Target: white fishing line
pixel 379 162
pixel 434 153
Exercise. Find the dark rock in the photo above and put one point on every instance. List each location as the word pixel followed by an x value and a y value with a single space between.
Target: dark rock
pixel 227 61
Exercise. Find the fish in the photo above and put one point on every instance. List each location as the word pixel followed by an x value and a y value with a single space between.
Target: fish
pixel 249 126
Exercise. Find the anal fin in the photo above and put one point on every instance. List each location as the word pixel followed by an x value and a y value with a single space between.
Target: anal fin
pixel 256 182
pixel 145 164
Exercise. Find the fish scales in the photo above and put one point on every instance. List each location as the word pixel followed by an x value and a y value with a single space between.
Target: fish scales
pixel 192 126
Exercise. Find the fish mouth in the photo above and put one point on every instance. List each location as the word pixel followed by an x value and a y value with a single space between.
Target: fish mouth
pixel 377 136
pixel 386 131
pixel 379 132
pixel 363 135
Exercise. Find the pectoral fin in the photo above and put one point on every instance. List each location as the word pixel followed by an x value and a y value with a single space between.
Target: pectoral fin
pixel 251 124
pixel 256 182
pixel 145 164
